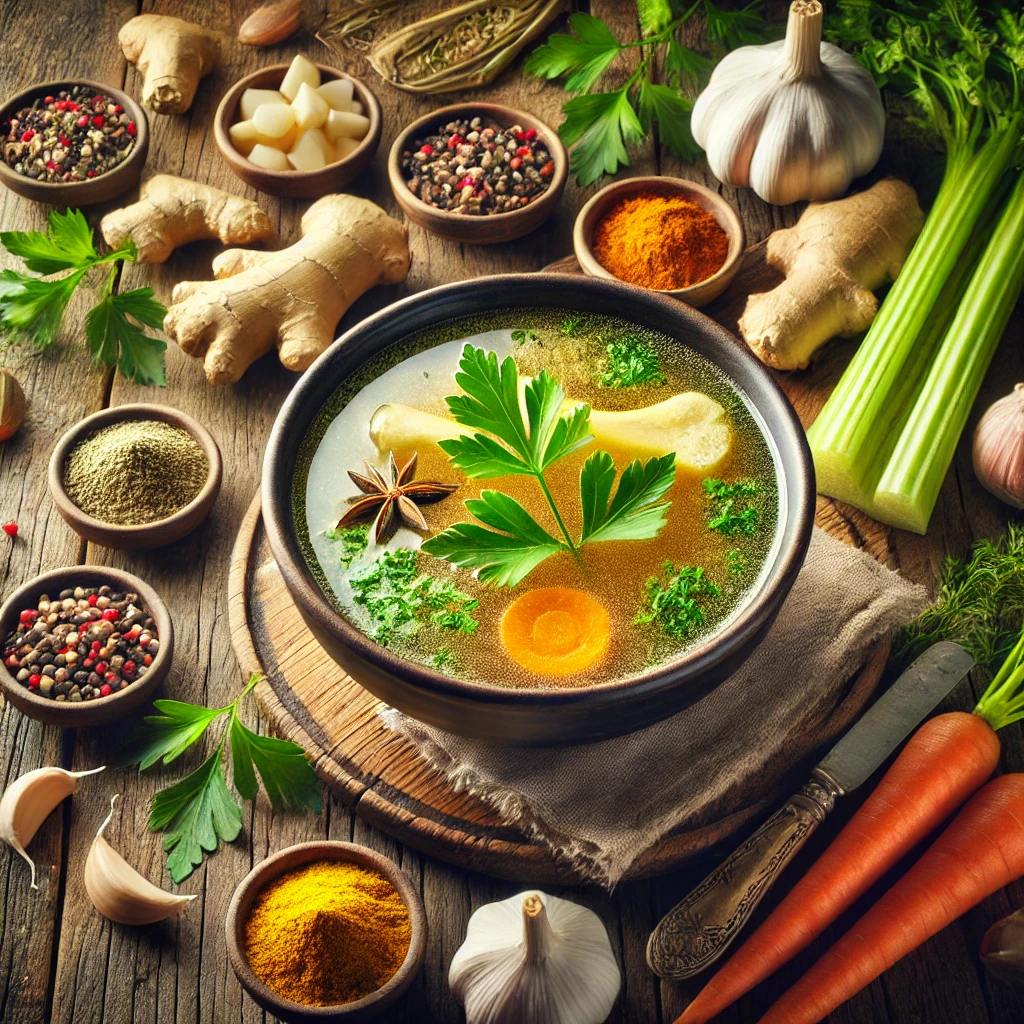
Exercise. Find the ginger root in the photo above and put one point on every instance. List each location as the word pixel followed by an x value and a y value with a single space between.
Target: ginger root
pixel 294 297
pixel 172 211
pixel 172 55
pixel 833 259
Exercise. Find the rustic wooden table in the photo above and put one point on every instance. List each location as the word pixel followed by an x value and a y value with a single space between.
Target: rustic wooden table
pixel 58 958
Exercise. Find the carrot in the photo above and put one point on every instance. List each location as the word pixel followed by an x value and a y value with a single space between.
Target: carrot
pixel 945 761
pixel 555 631
pixel 980 852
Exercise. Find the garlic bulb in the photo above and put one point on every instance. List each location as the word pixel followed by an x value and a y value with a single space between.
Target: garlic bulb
pixel 998 449
pixel 28 801
pixel 1002 948
pixel 119 892
pixel 535 959
pixel 796 119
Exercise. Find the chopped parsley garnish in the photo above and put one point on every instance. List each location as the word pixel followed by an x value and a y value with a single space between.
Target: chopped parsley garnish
pixel 511 543
pixel 444 659
pixel 399 598
pixel 630 362
pixel 570 326
pixel 353 542
pixel 522 337
pixel 730 514
pixel 672 601
pixel 735 561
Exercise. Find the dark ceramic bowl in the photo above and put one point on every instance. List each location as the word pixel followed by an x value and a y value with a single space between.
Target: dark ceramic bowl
pixel 553 716
pixel 147 535
pixel 93 190
pixel 296 184
pixel 103 709
pixel 287 860
pixel 485 230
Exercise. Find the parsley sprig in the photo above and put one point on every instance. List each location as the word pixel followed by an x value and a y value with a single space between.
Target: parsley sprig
pixel 603 125
pixel 32 308
pixel 510 543
pixel 199 812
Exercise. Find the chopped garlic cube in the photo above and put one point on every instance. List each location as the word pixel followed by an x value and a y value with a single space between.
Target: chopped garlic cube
pixel 268 158
pixel 310 108
pixel 274 119
pixel 300 71
pixel 307 154
pixel 253 98
pixel 341 124
pixel 338 93
pixel 357 107
pixel 345 147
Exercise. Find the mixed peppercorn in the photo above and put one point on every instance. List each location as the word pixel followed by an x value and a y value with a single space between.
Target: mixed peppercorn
pixel 469 169
pixel 74 135
pixel 88 643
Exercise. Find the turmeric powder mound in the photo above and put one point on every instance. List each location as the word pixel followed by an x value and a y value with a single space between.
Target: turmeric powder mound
pixel 660 241
pixel 329 932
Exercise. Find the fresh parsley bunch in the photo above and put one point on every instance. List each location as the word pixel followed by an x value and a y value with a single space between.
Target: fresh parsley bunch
pixel 510 543
pixel 32 308
pixel 198 812
pixel 605 124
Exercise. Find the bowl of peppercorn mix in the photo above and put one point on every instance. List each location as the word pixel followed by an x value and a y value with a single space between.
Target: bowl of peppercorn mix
pixel 135 476
pixel 84 645
pixel 478 172
pixel 72 142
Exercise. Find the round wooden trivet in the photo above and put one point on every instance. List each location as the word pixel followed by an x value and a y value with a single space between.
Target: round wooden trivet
pixel 310 700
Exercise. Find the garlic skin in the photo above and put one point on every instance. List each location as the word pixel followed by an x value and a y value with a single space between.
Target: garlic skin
pixel 119 892
pixel 29 800
pixel 1002 949
pixel 535 959
pixel 998 449
pixel 796 119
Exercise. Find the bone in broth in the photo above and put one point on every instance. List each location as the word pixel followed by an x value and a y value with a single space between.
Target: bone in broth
pixel 537 498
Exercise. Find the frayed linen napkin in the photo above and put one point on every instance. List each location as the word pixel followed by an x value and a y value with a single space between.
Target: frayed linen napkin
pixel 596 804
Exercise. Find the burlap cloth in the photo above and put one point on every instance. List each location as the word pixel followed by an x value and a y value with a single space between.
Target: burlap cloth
pixel 602 804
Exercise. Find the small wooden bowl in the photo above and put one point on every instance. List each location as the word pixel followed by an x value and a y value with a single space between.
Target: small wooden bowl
pixel 147 535
pixel 93 190
pixel 296 184
pixel 287 860
pixel 699 294
pixel 103 709
pixel 482 230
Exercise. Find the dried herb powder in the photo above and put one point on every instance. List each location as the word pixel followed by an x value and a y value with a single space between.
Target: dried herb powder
pixel 135 472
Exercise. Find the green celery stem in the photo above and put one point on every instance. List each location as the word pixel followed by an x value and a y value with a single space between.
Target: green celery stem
pixel 909 487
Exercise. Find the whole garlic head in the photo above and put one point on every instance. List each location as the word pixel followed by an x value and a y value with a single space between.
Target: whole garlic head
pixel 535 959
pixel 796 119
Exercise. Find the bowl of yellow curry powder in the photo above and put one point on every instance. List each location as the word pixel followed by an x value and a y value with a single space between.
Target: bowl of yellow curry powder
pixel 326 932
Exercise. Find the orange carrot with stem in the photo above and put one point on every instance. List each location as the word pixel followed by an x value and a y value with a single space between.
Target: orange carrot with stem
pixel 945 761
pixel 980 852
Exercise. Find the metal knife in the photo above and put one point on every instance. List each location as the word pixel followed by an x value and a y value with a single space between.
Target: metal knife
pixel 696 932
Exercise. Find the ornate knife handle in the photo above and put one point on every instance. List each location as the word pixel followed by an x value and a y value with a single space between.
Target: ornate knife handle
pixel 695 932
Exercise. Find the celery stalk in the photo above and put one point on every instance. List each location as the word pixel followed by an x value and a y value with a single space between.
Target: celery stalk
pixel 909 486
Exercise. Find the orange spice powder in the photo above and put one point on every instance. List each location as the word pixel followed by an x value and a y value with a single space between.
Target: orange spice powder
pixel 660 241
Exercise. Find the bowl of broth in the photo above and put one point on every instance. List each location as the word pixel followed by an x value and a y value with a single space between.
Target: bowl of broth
pixel 536 508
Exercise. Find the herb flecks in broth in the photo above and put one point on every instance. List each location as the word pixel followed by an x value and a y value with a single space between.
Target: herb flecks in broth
pixel 673 602
pixel 732 514
pixel 511 543
pixel 353 540
pixel 630 362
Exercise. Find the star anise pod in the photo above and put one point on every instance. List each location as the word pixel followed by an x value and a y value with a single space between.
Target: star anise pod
pixel 393 498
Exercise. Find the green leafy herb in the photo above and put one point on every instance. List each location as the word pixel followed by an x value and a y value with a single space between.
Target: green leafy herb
pixel 735 562
pixel 979 604
pixel 603 125
pixel 444 660
pixel 353 541
pixel 399 598
pixel 511 543
pixel 199 812
pixel 570 326
pixel 522 337
pixel 730 515
pixel 630 362
pixel 672 601
pixel 32 309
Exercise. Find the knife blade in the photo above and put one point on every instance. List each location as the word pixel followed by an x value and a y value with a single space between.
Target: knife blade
pixel 695 933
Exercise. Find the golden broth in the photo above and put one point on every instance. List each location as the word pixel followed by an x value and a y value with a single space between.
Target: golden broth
pixel 420 372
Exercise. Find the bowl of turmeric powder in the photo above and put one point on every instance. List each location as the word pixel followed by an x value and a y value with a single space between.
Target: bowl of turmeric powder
pixel 664 234
pixel 326 931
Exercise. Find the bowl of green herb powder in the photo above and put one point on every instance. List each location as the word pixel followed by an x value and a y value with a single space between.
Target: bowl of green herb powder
pixel 135 476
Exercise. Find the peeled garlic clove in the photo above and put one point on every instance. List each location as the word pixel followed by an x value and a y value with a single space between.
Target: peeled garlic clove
pixel 1002 948
pixel 119 892
pixel 998 449
pixel 28 801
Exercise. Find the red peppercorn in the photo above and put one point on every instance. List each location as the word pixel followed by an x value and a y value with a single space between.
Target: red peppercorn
pixel 131 128
pixel 98 120
pixel 28 615
pixel 61 105
pixel 91 174
pixel 34 681
pixel 467 180
pixel 515 163
pixel 427 148
pixel 47 99
pixel 454 141
pixel 548 169
pixel 129 666
pixel 64 140
pixel 110 614
pixel 520 136
pixel 71 105
pixel 101 667
pixel 96 645
pixel 12 661
pixel 92 599
pixel 27 136
pixel 531 133
pixel 523 151
pixel 10 528
pixel 50 165
pixel 147 659
pixel 110 677
pixel 118 109
pixel 98 101
pixel 145 641
pixel 88 663
pixel 82 121
pixel 105 690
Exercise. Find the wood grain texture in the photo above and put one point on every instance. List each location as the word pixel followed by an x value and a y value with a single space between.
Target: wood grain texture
pixel 54 948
